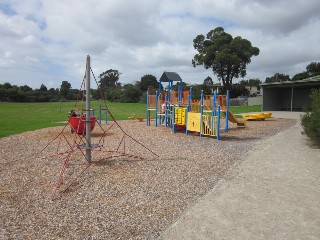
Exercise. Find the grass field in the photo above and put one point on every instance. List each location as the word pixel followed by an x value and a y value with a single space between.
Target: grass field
pixel 21 117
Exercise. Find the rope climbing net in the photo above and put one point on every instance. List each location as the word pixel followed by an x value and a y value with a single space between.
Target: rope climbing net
pixel 109 141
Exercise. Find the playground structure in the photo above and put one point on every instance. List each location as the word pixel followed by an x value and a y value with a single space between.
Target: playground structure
pixel 178 109
pixel 73 148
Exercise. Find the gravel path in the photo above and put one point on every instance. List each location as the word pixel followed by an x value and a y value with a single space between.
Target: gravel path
pixel 119 198
pixel 273 194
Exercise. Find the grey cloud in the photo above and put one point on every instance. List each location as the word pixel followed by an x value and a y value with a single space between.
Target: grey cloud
pixel 150 36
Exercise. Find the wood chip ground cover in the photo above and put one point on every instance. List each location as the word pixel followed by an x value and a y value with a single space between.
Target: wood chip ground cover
pixel 120 198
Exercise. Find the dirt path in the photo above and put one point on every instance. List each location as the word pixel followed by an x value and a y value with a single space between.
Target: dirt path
pixel 273 194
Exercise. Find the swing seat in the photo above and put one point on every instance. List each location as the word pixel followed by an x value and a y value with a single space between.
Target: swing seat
pixel 78 124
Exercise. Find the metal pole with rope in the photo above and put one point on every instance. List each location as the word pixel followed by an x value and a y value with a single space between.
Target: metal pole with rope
pixel 88 124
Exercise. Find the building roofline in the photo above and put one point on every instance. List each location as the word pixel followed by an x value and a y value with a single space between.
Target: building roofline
pixel 311 80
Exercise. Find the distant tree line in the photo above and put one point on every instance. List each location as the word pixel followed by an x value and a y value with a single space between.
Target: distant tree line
pixel 111 89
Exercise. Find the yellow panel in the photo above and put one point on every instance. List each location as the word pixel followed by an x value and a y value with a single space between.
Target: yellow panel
pixel 180 116
pixel 194 122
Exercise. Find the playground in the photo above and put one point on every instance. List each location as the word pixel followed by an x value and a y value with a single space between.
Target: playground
pixel 118 198
pixel 126 179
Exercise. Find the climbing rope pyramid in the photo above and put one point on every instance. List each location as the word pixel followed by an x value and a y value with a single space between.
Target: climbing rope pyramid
pixel 78 150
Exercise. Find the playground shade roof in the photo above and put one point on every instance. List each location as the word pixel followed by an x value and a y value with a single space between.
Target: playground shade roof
pixel 170 76
pixel 312 81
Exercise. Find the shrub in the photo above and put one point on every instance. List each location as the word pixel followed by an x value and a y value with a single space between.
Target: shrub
pixel 311 120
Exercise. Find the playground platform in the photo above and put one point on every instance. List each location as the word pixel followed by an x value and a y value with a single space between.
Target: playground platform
pixel 273 194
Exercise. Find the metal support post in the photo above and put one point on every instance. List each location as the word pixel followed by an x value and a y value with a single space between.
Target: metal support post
pixel 88 125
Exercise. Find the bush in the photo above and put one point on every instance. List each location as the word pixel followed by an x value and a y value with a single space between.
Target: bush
pixel 311 120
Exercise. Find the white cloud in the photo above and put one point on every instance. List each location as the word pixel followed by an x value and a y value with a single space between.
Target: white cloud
pixel 47 42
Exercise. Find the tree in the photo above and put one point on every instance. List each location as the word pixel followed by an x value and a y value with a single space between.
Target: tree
pixel 65 89
pixel 254 82
pixel 278 77
pixel 300 76
pixel 313 69
pixel 238 90
pixel 310 121
pixel 25 88
pixel 109 79
pixel 176 86
pixel 207 85
pixel 114 94
pixel 131 93
pixel 6 85
pixel 43 88
pixel 228 57
pixel 148 81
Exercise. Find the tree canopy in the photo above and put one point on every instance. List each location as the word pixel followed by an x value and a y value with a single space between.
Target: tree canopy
pixel 109 79
pixel 251 82
pixel 228 57
pixel 65 89
pixel 148 81
pixel 313 69
pixel 208 81
pixel 278 77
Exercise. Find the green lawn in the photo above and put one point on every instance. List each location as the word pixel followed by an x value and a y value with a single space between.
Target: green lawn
pixel 21 117
pixel 245 109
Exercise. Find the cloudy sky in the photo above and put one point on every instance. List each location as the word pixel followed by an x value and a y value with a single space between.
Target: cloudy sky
pixel 46 41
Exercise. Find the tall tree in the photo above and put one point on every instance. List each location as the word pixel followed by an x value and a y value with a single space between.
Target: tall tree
pixel 148 81
pixel 131 93
pixel 278 77
pixel 228 57
pixel 208 85
pixel 208 81
pixel 65 89
pixel 300 76
pixel 109 79
pixel 43 88
pixel 313 69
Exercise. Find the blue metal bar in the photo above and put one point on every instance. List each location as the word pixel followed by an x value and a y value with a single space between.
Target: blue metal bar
pixel 180 93
pixel 218 124
pixel 190 99
pixel 215 103
pixel 201 112
pixel 173 119
pixel 157 100
pixel 187 113
pixel 147 113
pixel 100 114
pixel 166 111
pixel 169 90
pixel 227 112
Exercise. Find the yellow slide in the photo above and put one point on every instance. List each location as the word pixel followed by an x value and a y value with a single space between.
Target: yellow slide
pixel 232 118
pixel 257 116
